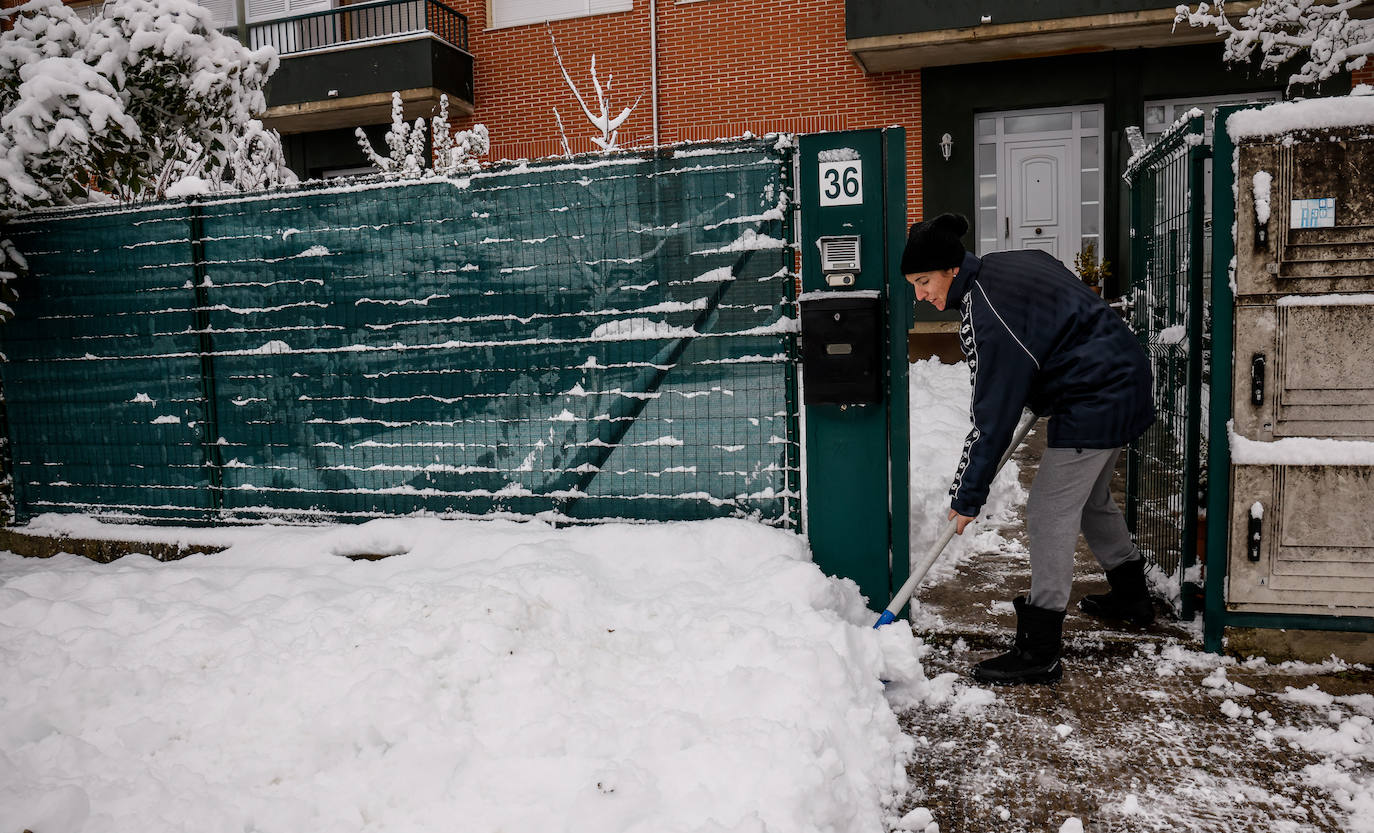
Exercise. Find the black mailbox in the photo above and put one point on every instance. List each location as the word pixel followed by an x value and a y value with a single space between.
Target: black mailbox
pixel 842 349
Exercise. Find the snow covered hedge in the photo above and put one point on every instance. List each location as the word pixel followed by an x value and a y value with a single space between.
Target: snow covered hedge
pixel 144 95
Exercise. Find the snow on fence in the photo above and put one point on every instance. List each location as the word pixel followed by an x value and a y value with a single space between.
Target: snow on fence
pixel 576 339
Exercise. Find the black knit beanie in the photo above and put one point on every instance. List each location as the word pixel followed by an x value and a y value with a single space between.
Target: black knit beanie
pixel 935 245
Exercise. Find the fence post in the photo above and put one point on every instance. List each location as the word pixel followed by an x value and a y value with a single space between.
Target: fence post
pixel 790 228
pixel 211 458
pixel 1191 471
pixel 1223 344
pixel 1136 230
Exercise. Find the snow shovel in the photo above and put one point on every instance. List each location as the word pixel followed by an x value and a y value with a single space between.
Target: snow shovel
pixel 932 555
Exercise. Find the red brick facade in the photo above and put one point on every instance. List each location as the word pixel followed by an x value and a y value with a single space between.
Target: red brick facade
pixel 1362 76
pixel 724 67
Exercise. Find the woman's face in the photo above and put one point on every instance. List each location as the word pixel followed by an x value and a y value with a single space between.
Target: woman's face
pixel 933 286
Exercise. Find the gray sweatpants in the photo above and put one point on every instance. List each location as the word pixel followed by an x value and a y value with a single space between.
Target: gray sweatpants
pixel 1072 491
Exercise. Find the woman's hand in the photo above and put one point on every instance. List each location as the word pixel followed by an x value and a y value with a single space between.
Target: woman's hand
pixel 964 520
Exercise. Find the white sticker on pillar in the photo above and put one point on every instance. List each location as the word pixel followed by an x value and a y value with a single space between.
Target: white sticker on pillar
pixel 842 182
pixel 1314 213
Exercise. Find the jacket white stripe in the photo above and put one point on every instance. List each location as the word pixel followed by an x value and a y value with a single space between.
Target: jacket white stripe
pixel 970 345
pixel 1004 324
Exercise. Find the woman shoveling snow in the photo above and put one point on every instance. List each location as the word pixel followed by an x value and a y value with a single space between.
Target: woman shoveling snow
pixel 1036 337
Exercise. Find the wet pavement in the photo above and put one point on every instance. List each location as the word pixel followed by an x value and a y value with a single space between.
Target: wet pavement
pixel 1144 733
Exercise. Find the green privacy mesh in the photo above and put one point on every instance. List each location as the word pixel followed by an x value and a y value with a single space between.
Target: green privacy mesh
pixel 582 340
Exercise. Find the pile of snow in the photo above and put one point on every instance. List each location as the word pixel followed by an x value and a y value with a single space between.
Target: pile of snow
pixel 940 396
pixel 632 329
pixel 676 677
pixel 1299 451
pixel 680 677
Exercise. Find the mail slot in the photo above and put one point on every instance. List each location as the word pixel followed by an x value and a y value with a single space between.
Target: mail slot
pixel 842 348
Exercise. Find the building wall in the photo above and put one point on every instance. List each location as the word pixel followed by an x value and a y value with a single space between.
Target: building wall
pixel 1362 76
pixel 725 67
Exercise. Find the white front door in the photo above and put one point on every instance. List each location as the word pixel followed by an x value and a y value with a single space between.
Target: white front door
pixel 1038 215
pixel 1039 180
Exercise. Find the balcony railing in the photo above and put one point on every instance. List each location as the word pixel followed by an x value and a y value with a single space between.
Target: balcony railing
pixel 380 20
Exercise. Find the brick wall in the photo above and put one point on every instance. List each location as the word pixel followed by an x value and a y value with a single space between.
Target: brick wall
pixel 1362 76
pixel 725 67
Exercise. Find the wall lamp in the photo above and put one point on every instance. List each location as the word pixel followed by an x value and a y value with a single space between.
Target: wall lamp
pixel 946 146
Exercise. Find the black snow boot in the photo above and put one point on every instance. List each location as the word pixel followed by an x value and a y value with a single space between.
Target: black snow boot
pixel 1129 598
pixel 1034 657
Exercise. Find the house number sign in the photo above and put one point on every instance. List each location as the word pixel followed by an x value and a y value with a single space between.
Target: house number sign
pixel 842 182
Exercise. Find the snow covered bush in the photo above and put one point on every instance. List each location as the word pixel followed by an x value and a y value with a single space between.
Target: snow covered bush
pixel 456 153
pixel 256 160
pixel 453 153
pixel 146 93
pixel 1281 30
pixel 12 264
pixel 59 117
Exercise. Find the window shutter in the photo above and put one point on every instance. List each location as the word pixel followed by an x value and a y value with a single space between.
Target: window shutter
pixel 265 9
pixel 307 6
pixel 522 12
pixel 223 10
pixel 607 6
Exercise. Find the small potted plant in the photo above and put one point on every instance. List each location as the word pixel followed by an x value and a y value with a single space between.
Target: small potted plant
pixel 1091 270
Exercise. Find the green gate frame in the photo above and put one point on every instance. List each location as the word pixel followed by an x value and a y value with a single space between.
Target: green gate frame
pixel 1162 473
pixel 857 488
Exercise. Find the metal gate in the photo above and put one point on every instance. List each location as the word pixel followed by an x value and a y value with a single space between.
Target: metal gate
pixel 1164 480
pixel 577 340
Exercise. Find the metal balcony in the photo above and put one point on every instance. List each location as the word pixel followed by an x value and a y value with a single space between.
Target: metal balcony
pixel 360 23
pixel 339 67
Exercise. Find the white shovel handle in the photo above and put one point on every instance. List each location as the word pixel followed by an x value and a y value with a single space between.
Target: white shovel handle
pixel 928 559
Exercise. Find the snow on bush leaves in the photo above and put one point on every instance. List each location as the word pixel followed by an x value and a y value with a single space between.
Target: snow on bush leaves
pixel 147 92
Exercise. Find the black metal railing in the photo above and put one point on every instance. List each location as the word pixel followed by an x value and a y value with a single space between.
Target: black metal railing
pixel 377 20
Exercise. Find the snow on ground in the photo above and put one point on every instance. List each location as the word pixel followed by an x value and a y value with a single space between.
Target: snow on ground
pixel 502 676
pixel 488 676
pixel 1340 729
pixel 702 677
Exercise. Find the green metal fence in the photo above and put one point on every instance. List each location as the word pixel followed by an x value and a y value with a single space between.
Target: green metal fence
pixel 1165 475
pixel 580 340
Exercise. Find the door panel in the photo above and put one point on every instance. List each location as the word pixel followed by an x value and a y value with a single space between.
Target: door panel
pixel 1316 544
pixel 1039 169
pixel 1038 184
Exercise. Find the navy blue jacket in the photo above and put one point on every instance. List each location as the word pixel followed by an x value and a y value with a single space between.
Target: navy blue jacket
pixel 1036 337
